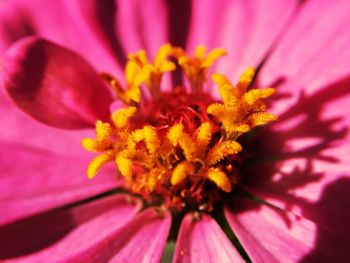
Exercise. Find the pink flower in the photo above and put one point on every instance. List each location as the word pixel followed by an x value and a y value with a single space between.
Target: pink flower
pixel 291 202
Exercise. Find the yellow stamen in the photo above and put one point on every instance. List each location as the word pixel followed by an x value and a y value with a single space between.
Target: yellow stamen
pixel 213 56
pixel 91 145
pixel 124 165
pixel 178 137
pixel 195 68
pixel 220 179
pixel 175 133
pixel 203 137
pixel 96 164
pixel 181 172
pixel 260 118
pixel 240 111
pixel 121 117
pixel 102 142
pixel 252 96
pixel 103 131
pixel 199 52
pixel 246 79
pixel 142 71
pixel 149 135
pixel 222 150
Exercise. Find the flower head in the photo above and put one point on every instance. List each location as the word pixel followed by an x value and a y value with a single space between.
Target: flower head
pixel 187 150
pixel 178 149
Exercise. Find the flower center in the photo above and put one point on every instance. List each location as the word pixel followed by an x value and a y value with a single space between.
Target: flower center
pixel 178 149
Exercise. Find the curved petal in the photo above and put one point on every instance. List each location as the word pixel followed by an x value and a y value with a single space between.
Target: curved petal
pixel 35 180
pixel 141 240
pixel 54 85
pixel 246 29
pixel 142 25
pixel 273 235
pixel 202 240
pixel 313 53
pixel 58 234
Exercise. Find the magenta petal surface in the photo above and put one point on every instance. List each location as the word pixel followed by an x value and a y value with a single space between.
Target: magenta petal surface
pixel 67 23
pixel 96 21
pixel 142 25
pixel 14 24
pixel 269 235
pixel 20 128
pixel 313 53
pixel 34 180
pixel 308 148
pixel 203 241
pixel 247 29
pixel 56 235
pixel 325 201
pixel 141 240
pixel 54 85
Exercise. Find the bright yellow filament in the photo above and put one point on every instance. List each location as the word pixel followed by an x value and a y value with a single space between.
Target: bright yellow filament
pixel 153 161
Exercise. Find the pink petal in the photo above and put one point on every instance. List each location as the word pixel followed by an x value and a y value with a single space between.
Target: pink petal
pixel 313 53
pixel 14 24
pixel 59 234
pixel 203 241
pixel 246 29
pixel 20 128
pixel 178 28
pixel 62 23
pixel 69 97
pixel 273 235
pixel 324 201
pixel 97 20
pixel 142 25
pixel 311 173
pixel 141 240
pixel 34 180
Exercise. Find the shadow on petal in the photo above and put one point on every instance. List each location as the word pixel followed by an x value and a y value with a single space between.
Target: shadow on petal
pixel 335 197
pixel 293 160
pixel 178 29
pixel 266 237
pixel 31 234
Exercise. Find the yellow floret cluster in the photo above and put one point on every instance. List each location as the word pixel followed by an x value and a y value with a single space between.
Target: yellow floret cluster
pixel 166 163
